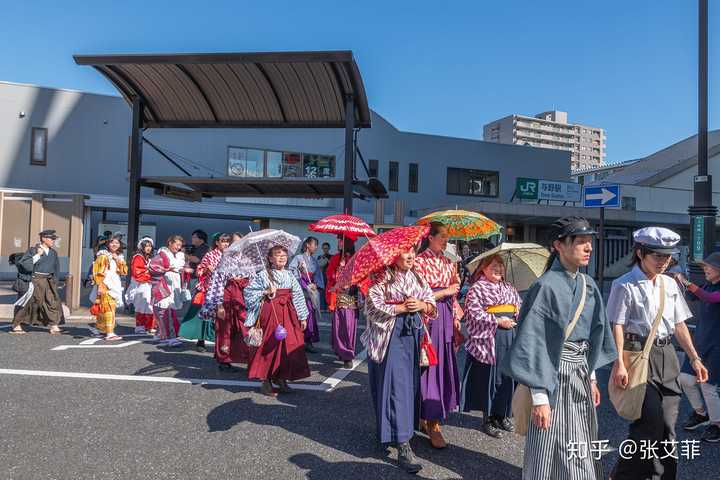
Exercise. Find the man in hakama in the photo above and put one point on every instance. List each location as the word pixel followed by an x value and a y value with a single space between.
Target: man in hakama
pixel 557 360
pixel 41 302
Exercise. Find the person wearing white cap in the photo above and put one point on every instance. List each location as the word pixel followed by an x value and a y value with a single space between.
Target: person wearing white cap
pixel 633 308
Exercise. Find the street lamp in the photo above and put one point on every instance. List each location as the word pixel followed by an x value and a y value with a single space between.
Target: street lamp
pixel 702 212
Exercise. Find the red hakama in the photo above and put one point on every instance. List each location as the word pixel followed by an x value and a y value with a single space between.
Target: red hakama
pixel 279 359
pixel 230 331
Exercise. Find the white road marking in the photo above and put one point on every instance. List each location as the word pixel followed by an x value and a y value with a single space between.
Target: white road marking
pixel 104 345
pixel 89 341
pixel 334 380
pixel 147 378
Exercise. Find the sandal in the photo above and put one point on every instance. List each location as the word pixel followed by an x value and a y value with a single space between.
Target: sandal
pixel 55 331
pixel 113 338
pixel 18 331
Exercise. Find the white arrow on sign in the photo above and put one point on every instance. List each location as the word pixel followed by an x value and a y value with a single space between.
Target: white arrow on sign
pixel 604 196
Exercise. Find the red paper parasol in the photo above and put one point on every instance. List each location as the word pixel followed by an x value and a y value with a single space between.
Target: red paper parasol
pixel 349 226
pixel 380 252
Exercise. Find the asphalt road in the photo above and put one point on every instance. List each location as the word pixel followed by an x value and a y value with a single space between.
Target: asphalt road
pixel 60 427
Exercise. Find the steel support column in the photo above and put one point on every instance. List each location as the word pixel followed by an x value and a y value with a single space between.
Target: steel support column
pixel 702 212
pixel 349 154
pixel 135 172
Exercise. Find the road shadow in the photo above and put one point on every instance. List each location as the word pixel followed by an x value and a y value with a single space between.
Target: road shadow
pixel 319 469
pixel 351 432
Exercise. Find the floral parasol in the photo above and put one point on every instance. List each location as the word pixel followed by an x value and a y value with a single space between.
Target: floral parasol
pixel 463 224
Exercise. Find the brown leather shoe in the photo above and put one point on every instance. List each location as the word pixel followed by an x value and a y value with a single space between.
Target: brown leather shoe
pixel 435 434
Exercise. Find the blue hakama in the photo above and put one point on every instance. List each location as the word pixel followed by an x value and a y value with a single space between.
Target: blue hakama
pixel 395 383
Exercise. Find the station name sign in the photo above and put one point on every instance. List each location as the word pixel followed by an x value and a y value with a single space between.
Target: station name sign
pixel 538 189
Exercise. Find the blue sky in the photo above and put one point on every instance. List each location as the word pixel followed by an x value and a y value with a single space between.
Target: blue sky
pixel 627 66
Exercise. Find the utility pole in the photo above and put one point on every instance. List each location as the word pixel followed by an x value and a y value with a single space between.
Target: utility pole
pixel 702 212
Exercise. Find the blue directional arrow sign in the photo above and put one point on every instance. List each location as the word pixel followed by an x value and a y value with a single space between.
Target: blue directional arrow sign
pixel 601 196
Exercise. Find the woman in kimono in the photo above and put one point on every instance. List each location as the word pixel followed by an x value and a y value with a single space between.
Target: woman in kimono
pixel 168 292
pixel 491 309
pixel 440 384
pixel 307 271
pixel 343 304
pixel 107 292
pixel 139 294
pixel 393 307
pixel 275 302
pixel 557 360
pixel 225 306
pixel 193 326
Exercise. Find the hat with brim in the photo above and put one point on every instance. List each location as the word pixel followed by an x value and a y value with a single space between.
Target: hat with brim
pixel 663 250
pixel 712 260
pixel 48 234
pixel 572 227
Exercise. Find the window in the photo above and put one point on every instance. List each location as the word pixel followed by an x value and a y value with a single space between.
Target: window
pixel 628 203
pixel 462 181
pixel 373 168
pixel 274 164
pixel 252 162
pixel 246 162
pixel 292 165
pixel 413 177
pixel 318 166
pixel 38 146
pixel 394 173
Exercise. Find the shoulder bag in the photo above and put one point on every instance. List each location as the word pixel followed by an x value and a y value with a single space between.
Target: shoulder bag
pixel 628 401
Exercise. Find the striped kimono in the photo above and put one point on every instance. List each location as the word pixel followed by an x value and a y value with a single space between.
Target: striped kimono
pixel 558 372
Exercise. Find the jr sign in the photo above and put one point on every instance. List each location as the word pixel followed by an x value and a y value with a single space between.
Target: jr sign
pixel 526 188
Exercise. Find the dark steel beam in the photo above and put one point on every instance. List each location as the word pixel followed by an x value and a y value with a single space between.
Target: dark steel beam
pixel 349 155
pixel 175 58
pixel 135 173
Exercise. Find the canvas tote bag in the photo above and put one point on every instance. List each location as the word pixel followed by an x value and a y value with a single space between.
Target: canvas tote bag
pixel 629 401
pixel 522 399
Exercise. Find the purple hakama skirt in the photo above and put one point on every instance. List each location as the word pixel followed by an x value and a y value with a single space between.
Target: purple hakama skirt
pixel 440 385
pixel 344 328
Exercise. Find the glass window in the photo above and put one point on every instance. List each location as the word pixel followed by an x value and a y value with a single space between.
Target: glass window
pixel 38 146
pixel 274 164
pixel 292 165
pixel 413 177
pixel 462 181
pixel 373 167
pixel 393 177
pixel 318 166
pixel 246 162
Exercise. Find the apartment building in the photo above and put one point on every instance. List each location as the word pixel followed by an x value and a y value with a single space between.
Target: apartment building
pixel 551 130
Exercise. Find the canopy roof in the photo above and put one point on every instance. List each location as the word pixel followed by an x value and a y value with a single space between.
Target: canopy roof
pixel 244 90
pixel 194 188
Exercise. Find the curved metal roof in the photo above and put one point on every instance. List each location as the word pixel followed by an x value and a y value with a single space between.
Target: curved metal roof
pixel 246 90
